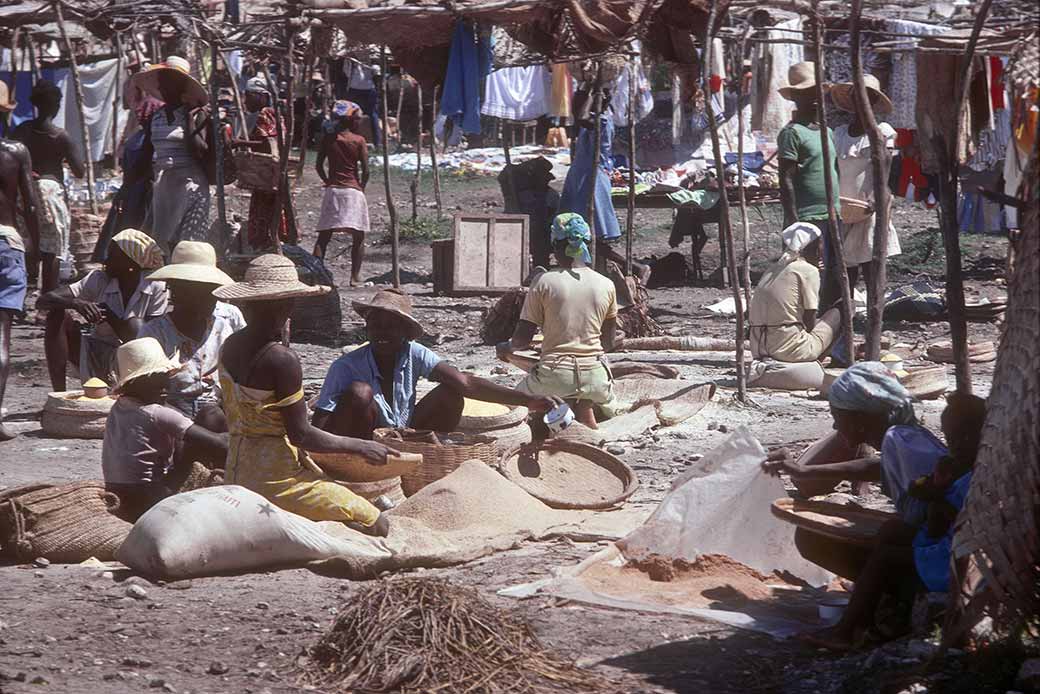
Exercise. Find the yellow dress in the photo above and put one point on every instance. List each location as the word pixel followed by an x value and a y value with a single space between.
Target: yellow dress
pixel 260 458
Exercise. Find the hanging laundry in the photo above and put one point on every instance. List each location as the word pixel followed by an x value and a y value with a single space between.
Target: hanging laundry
pixel 468 65
pixel 562 88
pixel 517 93
pixel 580 178
pixel 619 101
pixel 992 143
pixel 770 111
pixel 902 86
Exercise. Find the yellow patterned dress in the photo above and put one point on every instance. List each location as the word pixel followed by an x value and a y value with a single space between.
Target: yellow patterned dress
pixel 260 458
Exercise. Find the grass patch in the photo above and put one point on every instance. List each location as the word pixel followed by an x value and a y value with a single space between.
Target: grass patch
pixel 425 228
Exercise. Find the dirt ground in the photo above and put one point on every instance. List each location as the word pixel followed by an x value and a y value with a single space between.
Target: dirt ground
pixel 72 629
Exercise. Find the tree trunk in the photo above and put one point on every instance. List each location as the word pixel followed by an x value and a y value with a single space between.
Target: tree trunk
pixel 395 235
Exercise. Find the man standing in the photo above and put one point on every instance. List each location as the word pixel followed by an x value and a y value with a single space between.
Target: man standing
pixel 15 186
pixel 50 147
pixel 363 89
pixel 803 191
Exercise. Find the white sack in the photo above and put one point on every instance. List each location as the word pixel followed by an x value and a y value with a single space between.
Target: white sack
pixel 230 529
pixel 722 506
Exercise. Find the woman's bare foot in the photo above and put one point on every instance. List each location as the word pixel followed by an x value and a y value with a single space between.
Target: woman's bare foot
pixel 355 281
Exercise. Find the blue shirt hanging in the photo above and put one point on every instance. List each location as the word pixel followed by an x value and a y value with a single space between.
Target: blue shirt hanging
pixel 468 64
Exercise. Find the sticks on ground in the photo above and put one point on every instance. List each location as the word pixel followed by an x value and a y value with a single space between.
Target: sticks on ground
pixel 427 635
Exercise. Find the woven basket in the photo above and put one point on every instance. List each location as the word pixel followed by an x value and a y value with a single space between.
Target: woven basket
pixel 256 170
pixel 390 487
pixel 926 382
pixel 349 467
pixel 200 477
pixel 65 524
pixel 511 463
pixel 439 459
pixel 509 429
pixel 942 352
pixel 66 417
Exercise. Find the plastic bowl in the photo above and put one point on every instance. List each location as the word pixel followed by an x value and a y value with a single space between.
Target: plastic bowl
pixel 832 607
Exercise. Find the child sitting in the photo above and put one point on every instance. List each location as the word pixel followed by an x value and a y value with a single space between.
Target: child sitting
pixel 144 439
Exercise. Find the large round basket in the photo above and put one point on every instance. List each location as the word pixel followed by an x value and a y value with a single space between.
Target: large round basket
pixel 851 524
pixel 256 170
pixel 350 467
pixel 509 429
pixel 69 415
pixel 441 453
pixel 84 230
pixel 925 382
pixel 570 475
pixel 390 487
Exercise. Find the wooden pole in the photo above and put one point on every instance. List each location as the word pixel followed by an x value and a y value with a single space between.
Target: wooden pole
pixel 725 230
pixel 948 180
pixel 880 161
pixel 77 87
pixel 745 224
pixel 283 159
pixel 397 116
pixel 837 244
pixel 676 109
pixel 13 85
pixel 633 83
pixel 597 105
pixel 218 140
pixel 510 183
pixel 117 98
pixel 308 105
pixel 417 180
pixel 395 237
pixel 239 105
pixel 33 63
pixel 433 156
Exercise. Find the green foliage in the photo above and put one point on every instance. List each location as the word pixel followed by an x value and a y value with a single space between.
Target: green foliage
pixel 425 228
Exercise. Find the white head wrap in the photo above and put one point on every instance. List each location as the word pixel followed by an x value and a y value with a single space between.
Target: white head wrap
pixel 869 386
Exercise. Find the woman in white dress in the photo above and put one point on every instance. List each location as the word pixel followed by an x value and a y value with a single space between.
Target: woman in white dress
pixel 856 180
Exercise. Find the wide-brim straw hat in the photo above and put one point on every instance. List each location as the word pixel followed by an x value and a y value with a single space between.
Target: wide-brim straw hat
pixel 801 77
pixel 392 302
pixel 843 98
pixel 141 357
pixel 269 277
pixel 147 80
pixel 193 261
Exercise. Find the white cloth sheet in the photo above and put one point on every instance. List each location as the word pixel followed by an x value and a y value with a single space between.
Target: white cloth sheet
pixel 771 74
pixel 99 90
pixel 517 93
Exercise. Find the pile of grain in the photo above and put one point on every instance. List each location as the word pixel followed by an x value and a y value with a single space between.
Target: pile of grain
pixel 479 408
pixel 426 635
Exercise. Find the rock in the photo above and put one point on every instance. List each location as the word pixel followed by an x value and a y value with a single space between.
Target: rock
pixel 167 687
pixel 39 679
pixel 38 574
pixel 217 668
pixel 41 562
pixel 615 450
pixel 723 429
pixel 137 662
pixel 1028 678
pixel 263 606
pixel 156 682
pixel 136 592
pixel 712 426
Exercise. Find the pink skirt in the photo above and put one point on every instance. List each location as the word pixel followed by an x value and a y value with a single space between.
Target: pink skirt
pixel 343 208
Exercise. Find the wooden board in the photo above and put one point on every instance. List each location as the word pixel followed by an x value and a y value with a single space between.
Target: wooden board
pixel 491 253
pixel 857 526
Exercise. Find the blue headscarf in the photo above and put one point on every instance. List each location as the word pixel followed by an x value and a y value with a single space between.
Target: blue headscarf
pixel 572 228
pixel 869 386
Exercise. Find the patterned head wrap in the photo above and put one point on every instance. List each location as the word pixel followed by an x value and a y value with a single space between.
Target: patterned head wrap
pixel 140 248
pixel 572 228
pixel 257 85
pixel 345 109
pixel 869 386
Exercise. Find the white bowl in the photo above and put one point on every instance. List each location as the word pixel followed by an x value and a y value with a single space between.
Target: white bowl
pixel 832 607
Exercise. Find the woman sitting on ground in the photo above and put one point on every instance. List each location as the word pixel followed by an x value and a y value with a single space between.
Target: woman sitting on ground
pixel 576 308
pixel 869 406
pixel 148 446
pixel 782 314
pixel 115 302
pixel 262 384
pixel 916 557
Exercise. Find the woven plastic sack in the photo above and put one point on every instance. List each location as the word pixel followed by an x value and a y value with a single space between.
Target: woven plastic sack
pixel 230 529
pixel 779 375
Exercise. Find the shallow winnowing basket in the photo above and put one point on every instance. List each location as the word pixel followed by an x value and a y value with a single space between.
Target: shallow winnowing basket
pixel 256 170
pixel 65 524
pixel 441 452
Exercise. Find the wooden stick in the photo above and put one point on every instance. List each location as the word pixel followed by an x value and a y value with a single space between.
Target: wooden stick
pixel 77 87
pixel 239 106
pixel 308 101
pixel 395 237
pixel 510 182
pixel 218 139
pixel 597 104
pixel 433 156
pixel 117 96
pixel 744 221
pixel 880 161
pixel 12 87
pixel 34 65
pixel 417 180
pixel 633 82
pixel 948 179
pixel 676 109
pixel 397 116
pixel 725 229
pixel 283 159
pixel 290 126
pixel 837 244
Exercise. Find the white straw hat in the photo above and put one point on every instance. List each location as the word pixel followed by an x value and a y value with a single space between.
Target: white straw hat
pixel 141 357
pixel 800 77
pixel 269 277
pixel 193 261
pixel 841 95
pixel 148 81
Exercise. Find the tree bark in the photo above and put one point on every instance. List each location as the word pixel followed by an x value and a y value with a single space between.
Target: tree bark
pixel 218 140
pixel 395 236
pixel 433 156
pixel 880 161
pixel 744 222
pixel 633 78
pixel 88 158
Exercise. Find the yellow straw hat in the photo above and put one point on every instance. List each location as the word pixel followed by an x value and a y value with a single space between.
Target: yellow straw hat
pixel 391 301
pixel 843 98
pixel 141 357
pixel 269 277
pixel 800 77
pixel 193 261
pixel 147 80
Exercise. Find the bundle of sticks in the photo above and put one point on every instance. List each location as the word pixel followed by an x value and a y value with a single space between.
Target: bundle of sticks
pixel 427 635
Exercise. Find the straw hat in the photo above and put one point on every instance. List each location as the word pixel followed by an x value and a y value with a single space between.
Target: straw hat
pixel 6 105
pixel 800 77
pixel 269 277
pixel 141 357
pixel 148 81
pixel 841 95
pixel 193 261
pixel 393 302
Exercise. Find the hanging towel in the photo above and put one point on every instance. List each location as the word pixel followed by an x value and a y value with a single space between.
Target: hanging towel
pixel 468 65
pixel 902 89
pixel 562 88
pixel 517 93
pixel 774 111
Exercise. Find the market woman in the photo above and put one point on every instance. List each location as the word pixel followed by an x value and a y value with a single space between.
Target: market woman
pixel 180 195
pixel 263 137
pixel 262 384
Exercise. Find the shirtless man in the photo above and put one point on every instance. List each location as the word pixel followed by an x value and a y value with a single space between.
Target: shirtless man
pixel 15 187
pixel 50 147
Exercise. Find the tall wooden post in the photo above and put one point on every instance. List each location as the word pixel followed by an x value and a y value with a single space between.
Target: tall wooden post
pixel 744 222
pixel 677 111
pixel 725 230
pixel 34 65
pixel 880 161
pixel 949 163
pixel 77 87
pixel 283 160
pixel 395 234
pixel 218 138
pixel 417 180
pixel 633 83
pixel 433 156
pixel 308 101
pixel 239 105
pixel 597 106
pixel 837 244
pixel 117 97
